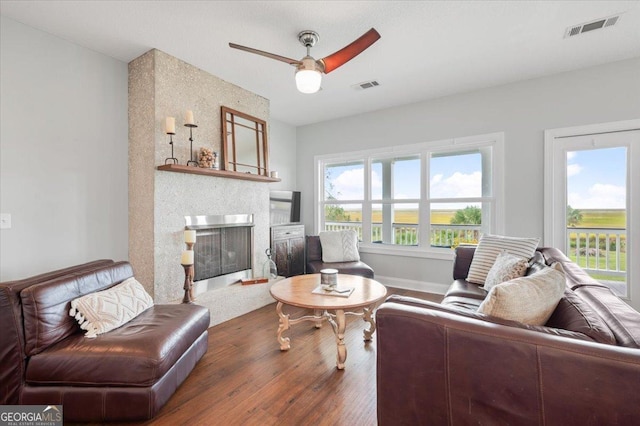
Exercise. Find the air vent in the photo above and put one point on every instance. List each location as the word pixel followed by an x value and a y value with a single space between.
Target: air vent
pixel 591 26
pixel 366 85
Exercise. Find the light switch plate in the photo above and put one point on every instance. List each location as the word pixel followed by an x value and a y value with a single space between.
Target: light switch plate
pixel 5 221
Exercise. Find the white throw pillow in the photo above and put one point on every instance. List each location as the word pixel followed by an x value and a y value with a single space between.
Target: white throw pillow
pixel 529 300
pixel 488 249
pixel 339 246
pixel 106 310
pixel 506 267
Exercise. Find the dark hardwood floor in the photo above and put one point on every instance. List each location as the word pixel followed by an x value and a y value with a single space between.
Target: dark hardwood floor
pixel 244 378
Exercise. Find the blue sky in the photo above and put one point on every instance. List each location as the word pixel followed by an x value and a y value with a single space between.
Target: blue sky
pixel 451 177
pixel 595 178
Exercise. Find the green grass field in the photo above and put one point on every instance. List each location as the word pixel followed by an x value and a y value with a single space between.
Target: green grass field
pixel 590 218
pixel 439 217
pixel 603 219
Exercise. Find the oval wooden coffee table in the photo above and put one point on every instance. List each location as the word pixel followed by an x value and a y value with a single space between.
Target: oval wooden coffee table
pixel 297 291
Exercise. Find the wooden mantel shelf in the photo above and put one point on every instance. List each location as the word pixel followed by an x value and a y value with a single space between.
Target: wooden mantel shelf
pixel 220 173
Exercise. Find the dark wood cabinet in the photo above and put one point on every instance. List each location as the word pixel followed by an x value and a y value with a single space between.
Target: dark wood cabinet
pixel 287 248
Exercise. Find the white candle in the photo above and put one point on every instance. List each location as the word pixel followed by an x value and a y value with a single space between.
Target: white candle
pixel 189 236
pixel 170 126
pixel 187 257
pixel 189 118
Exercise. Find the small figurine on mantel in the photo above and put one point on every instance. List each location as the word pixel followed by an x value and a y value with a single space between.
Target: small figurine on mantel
pixel 206 158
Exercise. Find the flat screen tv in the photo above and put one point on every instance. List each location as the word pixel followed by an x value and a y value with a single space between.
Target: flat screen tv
pixel 284 207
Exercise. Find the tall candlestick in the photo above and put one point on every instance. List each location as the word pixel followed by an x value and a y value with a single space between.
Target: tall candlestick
pixel 191 126
pixel 188 284
pixel 170 126
pixel 188 119
pixel 190 236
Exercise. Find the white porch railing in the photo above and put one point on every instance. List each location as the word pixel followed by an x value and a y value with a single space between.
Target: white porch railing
pixel 407 233
pixel 343 226
pixel 599 250
pixel 454 235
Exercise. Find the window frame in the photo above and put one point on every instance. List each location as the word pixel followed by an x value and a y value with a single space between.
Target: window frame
pixel 494 141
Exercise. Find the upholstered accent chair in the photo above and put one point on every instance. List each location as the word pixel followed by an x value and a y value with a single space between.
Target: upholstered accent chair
pixel 315 262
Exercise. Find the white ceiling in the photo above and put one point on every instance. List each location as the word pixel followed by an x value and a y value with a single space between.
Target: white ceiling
pixel 427 50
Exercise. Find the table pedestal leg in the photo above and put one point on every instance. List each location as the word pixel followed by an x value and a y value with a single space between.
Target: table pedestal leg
pixel 282 327
pixel 318 313
pixel 339 326
pixel 368 317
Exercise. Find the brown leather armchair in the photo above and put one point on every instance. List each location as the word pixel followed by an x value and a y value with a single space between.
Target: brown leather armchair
pixel 126 374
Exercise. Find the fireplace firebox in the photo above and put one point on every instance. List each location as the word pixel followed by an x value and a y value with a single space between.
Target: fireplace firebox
pixel 223 249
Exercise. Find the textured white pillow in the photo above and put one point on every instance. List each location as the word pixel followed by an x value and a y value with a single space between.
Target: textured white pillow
pixel 488 249
pixel 106 310
pixel 529 300
pixel 505 268
pixel 339 246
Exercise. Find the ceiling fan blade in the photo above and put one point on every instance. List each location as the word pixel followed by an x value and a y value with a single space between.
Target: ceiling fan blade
pixel 349 52
pixel 267 54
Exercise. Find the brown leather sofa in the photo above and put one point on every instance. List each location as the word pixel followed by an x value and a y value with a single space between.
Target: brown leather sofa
pixel 315 263
pixel 126 374
pixel 447 364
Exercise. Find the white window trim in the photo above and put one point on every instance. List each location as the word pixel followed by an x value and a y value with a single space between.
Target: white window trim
pixel 495 140
pixel 550 225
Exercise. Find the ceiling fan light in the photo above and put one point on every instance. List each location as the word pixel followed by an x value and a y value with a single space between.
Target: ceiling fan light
pixel 308 75
pixel 308 81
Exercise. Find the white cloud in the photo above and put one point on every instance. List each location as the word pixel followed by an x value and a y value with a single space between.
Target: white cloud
pixel 571 155
pixel 573 169
pixel 599 196
pixel 457 185
pixel 349 185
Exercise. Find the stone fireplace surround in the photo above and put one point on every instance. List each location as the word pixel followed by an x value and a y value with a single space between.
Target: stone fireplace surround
pixel 160 86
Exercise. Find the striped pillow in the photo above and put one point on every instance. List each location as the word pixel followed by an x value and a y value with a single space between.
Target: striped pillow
pixel 490 246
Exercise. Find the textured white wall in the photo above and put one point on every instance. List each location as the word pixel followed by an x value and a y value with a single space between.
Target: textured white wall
pixel 63 153
pixel 522 110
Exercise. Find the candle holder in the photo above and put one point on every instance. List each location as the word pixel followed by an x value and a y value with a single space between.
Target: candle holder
pixel 188 284
pixel 191 161
pixel 190 246
pixel 172 159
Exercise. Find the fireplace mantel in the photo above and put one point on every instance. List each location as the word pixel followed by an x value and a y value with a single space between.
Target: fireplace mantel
pixel 220 173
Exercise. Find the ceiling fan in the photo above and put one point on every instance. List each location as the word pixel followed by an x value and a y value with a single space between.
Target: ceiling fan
pixel 308 70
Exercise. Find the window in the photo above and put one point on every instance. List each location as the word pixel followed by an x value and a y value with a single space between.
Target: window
pixel 459 196
pixel 343 191
pixel 420 199
pixel 395 195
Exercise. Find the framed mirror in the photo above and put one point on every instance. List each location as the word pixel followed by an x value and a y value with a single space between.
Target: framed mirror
pixel 244 143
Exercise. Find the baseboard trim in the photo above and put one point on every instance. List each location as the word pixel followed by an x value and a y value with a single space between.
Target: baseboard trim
pixel 405 284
